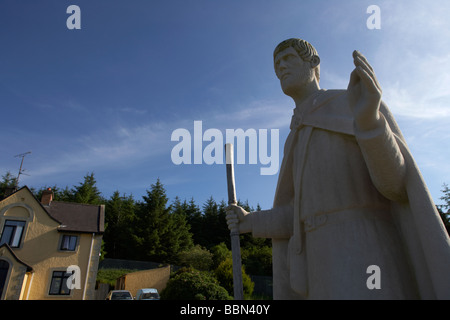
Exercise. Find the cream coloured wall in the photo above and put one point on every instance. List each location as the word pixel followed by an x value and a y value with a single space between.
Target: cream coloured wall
pixel 153 278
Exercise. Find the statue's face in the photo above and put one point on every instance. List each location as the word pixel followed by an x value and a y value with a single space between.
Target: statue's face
pixel 292 71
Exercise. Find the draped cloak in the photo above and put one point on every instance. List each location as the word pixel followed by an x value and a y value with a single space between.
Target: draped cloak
pixel 423 238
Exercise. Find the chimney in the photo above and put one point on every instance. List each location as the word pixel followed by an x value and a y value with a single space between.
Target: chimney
pixel 47 197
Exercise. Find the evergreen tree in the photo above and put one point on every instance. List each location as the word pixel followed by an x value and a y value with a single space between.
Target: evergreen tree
pixel 445 197
pixel 178 206
pixel 8 183
pixel 445 216
pixel 193 217
pixel 64 195
pixel 87 192
pixel 119 218
pixel 178 237
pixel 214 226
pixel 159 235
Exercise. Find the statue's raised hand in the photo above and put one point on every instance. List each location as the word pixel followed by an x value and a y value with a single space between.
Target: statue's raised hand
pixel 364 94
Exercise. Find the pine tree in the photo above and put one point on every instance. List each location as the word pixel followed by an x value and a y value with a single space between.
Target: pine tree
pixel 160 235
pixel 87 192
pixel 445 216
pixel 8 183
pixel 64 195
pixel 193 217
pixel 119 218
pixel 214 226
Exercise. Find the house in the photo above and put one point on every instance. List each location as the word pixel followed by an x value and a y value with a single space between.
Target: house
pixel 49 250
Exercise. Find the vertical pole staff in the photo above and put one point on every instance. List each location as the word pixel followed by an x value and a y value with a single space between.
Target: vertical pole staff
pixel 234 232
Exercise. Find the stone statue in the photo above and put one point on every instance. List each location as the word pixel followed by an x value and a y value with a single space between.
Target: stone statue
pixel 349 196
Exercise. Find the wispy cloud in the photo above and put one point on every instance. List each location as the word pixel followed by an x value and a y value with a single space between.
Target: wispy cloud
pixel 414 59
pixel 259 114
pixel 116 146
pixel 131 110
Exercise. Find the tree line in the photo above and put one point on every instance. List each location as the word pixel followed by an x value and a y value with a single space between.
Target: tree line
pixel 180 232
pixel 154 229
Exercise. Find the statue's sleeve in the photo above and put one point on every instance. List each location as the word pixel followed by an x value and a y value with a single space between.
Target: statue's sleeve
pixel 274 223
pixel 383 157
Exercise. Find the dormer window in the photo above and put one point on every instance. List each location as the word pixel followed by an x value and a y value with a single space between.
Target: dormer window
pixel 12 233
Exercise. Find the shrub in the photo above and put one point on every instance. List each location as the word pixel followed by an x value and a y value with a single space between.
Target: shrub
pixel 196 257
pixel 258 260
pixel 191 284
pixel 224 273
pixel 220 253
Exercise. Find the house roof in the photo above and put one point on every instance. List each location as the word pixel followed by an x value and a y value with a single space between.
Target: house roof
pixel 26 189
pixel 73 217
pixel 77 217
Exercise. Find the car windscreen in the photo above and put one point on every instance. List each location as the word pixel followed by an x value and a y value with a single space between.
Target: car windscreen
pixel 150 295
pixel 121 295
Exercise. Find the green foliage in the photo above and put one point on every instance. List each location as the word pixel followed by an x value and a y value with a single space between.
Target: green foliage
pixel 220 253
pixel 193 216
pixel 257 260
pixel 197 258
pixel 213 226
pixel 159 234
pixel 119 219
pixel 445 219
pixel 441 208
pixel 110 276
pixel 190 284
pixel 87 192
pixel 8 181
pixel 154 230
pixel 446 196
pixel 224 273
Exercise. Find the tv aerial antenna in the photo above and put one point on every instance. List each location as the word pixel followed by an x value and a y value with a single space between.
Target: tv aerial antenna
pixel 21 171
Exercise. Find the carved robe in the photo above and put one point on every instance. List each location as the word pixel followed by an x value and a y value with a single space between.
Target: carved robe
pixel 348 200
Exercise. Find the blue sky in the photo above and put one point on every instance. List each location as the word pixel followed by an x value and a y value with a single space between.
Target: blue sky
pixel 106 98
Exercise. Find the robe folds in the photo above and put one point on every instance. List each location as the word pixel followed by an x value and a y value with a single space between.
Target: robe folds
pixel 347 200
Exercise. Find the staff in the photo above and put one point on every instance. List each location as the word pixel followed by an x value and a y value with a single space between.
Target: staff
pixel 234 233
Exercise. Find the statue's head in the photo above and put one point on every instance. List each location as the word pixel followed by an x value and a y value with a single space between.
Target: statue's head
pixel 304 60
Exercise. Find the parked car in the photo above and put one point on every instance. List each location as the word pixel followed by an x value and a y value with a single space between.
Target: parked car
pixel 119 295
pixel 147 294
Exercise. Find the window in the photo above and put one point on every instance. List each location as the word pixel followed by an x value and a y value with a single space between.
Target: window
pixel 68 242
pixel 58 286
pixel 12 233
